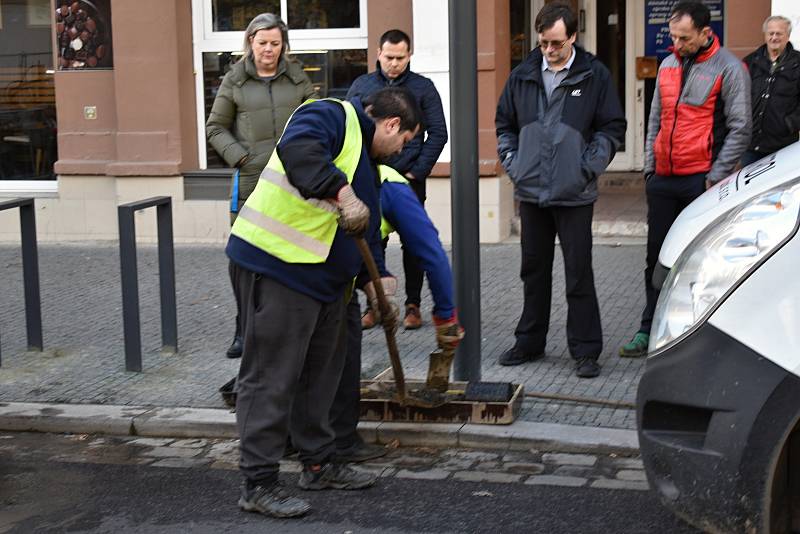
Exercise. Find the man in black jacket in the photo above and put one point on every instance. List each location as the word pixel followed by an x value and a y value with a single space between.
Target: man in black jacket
pixel 559 123
pixel 419 156
pixel 775 75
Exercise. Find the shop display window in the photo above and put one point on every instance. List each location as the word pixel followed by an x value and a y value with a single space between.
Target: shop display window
pixel 331 72
pixel 319 14
pixel 27 91
pixel 83 34
pixel 329 37
pixel 235 15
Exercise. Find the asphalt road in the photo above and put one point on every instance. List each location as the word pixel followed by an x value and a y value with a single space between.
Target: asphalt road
pixel 108 492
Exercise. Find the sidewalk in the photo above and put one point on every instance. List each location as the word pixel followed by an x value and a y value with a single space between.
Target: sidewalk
pixel 83 361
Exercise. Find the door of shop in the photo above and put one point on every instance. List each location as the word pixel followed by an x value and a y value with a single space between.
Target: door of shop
pixel 610 34
pixel 607 28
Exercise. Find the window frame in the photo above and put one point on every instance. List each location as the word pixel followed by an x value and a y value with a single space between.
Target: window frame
pixel 206 40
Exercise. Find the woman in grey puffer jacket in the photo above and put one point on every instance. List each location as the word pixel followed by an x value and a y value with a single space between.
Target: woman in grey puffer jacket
pixel 253 104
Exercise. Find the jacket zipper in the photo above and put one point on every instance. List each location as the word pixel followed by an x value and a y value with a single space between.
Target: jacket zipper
pixel 675 116
pixel 272 108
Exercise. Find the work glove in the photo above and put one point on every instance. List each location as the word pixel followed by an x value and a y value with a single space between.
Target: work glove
pixel 388 320
pixel 353 214
pixel 448 332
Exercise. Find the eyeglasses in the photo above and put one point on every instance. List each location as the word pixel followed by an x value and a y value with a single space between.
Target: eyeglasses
pixel 555 45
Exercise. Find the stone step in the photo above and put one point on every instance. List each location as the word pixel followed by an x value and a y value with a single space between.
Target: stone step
pixel 621 180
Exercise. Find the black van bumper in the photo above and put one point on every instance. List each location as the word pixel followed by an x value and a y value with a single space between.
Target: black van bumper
pixel 713 416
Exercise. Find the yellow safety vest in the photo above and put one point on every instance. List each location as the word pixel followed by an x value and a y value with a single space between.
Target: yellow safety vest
pixel 277 219
pixel 388 174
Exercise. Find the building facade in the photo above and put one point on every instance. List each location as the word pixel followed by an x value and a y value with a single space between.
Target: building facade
pixel 104 102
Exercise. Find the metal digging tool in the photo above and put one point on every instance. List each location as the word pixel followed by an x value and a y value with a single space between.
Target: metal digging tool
pixel 425 398
pixel 439 370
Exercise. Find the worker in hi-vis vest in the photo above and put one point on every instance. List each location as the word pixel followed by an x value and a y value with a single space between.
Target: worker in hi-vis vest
pixel 294 262
pixel 401 212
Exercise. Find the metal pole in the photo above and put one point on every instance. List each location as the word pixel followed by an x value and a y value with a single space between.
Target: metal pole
pixel 130 289
pixel 30 276
pixel 464 183
pixel 166 275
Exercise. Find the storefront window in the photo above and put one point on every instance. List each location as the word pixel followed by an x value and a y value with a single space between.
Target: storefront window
pixel 317 14
pixel 331 72
pixel 329 37
pixel 27 91
pixel 235 15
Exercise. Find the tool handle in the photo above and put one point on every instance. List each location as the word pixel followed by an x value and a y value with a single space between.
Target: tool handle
pixel 383 307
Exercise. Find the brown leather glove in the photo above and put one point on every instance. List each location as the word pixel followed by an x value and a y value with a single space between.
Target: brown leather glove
pixel 448 332
pixel 353 214
pixel 389 320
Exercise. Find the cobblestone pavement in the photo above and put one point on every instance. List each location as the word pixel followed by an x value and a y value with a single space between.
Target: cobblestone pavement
pixel 83 361
pixel 501 467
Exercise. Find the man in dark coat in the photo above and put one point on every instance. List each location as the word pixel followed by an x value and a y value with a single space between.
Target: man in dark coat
pixel 419 156
pixel 559 123
pixel 775 88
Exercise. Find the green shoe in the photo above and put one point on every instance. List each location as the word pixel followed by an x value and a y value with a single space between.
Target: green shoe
pixel 637 346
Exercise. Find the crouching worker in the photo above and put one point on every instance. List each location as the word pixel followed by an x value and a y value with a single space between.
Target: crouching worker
pixel 402 212
pixel 293 259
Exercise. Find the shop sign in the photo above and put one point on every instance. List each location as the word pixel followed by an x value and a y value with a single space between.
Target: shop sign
pixel 656 16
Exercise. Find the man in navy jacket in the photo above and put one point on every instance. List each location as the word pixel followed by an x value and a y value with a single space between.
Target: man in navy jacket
pixel 400 208
pixel 294 313
pixel 419 156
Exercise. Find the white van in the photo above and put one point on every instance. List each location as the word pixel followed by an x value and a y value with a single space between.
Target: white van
pixel 719 402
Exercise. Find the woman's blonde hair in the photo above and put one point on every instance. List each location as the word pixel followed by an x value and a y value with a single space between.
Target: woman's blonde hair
pixel 264 21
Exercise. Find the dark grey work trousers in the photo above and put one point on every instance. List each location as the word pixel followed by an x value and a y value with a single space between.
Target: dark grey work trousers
pixel 666 198
pixel 411 267
pixel 346 408
pixel 288 376
pixel 574 228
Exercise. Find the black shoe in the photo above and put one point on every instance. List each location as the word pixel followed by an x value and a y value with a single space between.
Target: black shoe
pixel 587 368
pixel 361 453
pixel 272 500
pixel 228 392
pixel 334 476
pixel 235 350
pixel 515 356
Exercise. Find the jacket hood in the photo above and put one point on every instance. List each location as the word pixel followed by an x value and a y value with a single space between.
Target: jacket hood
pixel 761 51
pixel 531 67
pixel 703 55
pixel 396 81
pixel 366 123
pixel 287 66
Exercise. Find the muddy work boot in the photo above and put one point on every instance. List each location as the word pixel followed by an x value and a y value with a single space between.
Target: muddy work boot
pixel 334 476
pixel 361 453
pixel 637 347
pixel 413 318
pixel 272 500
pixel 228 392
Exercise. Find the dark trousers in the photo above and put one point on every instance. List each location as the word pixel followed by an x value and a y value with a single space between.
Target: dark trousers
pixel 231 275
pixel 413 272
pixel 346 409
pixel 751 156
pixel 666 198
pixel 288 376
pixel 573 225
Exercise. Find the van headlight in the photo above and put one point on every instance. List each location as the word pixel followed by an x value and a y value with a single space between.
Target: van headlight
pixel 719 257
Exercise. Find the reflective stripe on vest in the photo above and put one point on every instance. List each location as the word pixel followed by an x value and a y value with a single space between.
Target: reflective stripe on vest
pixel 277 219
pixel 388 174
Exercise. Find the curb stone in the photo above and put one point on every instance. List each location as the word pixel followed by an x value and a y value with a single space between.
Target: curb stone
pixel 168 422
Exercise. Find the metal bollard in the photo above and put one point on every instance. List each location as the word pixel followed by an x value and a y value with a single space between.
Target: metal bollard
pixel 129 276
pixel 30 270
